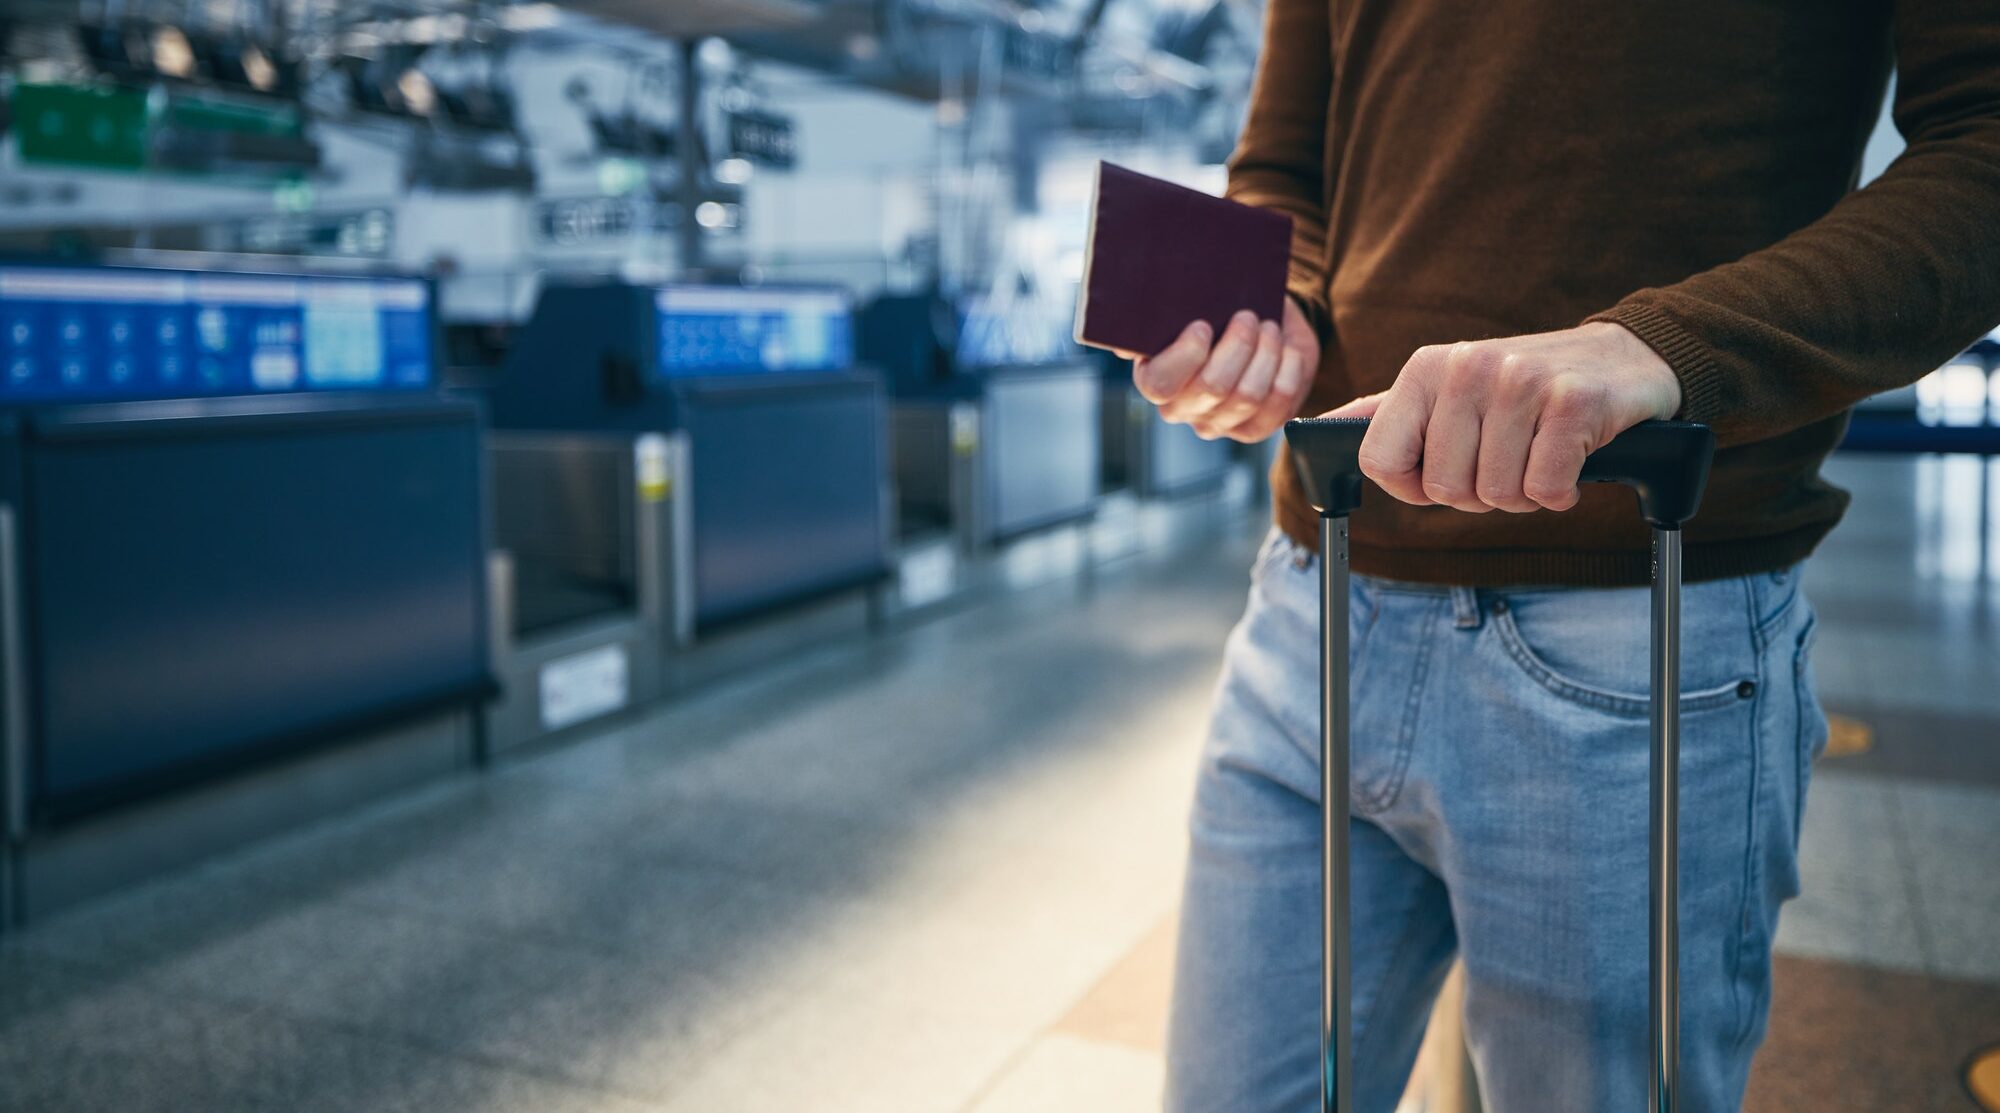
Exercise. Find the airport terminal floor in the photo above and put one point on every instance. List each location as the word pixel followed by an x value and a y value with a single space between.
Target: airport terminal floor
pixel 935 871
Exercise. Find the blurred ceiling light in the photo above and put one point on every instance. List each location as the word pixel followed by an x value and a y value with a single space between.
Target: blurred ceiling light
pixel 173 55
pixel 950 111
pixel 733 171
pixel 711 214
pixel 418 94
pixel 529 17
pixel 863 48
pixel 257 69
pixel 716 53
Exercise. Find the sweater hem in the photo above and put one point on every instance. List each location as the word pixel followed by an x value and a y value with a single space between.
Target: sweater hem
pixel 1497 568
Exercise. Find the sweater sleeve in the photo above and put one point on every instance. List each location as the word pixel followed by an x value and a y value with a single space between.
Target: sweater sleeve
pixel 1890 283
pixel 1280 159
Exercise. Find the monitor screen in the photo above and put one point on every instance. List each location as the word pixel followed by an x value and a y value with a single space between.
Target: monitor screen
pixel 121 333
pixel 728 330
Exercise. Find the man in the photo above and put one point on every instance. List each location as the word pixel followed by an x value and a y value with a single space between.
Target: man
pixel 1521 227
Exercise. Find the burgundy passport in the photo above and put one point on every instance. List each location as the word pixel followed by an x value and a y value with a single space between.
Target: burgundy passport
pixel 1162 255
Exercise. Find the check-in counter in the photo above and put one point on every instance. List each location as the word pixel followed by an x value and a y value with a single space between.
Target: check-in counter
pixel 987 447
pixel 682 458
pixel 242 563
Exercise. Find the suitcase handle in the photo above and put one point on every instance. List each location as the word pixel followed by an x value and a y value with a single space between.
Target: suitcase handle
pixel 1665 462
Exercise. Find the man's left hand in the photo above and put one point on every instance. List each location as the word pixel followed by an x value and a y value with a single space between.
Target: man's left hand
pixel 1505 424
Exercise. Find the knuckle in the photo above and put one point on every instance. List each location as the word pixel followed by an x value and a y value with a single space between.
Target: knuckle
pixel 1571 398
pixel 1517 376
pixel 1472 367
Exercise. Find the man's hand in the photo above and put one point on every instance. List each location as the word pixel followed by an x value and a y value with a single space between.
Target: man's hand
pixel 1505 424
pixel 1245 386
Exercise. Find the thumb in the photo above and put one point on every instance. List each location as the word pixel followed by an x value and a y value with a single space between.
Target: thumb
pixel 1364 406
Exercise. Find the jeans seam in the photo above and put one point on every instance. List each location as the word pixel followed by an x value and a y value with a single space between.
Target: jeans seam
pixel 1751 871
pixel 1406 730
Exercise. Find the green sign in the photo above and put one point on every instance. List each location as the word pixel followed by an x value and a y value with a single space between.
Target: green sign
pixel 81 125
pixel 113 128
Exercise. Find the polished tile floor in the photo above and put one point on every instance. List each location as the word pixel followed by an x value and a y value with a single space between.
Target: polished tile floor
pixel 936 872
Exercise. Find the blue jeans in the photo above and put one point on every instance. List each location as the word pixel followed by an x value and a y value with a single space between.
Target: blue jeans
pixel 1500 751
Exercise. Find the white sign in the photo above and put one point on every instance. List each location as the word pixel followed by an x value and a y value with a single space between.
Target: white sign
pixel 927 575
pixel 584 686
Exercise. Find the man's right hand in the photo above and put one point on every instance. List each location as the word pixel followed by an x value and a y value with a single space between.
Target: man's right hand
pixel 1244 386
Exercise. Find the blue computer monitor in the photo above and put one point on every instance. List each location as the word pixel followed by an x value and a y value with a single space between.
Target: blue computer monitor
pixel 734 330
pixel 113 333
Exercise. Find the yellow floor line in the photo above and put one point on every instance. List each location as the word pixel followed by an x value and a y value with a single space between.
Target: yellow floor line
pixel 1847 736
pixel 1982 1078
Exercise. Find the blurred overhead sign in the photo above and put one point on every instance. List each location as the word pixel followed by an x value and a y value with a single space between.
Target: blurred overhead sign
pixel 586 220
pixel 115 128
pixel 765 138
pixel 81 125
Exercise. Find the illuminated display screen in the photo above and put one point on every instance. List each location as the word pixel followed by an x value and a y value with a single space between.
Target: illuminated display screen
pixel 117 333
pixel 726 330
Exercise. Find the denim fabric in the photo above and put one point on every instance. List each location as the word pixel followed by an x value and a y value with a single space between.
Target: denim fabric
pixel 1500 751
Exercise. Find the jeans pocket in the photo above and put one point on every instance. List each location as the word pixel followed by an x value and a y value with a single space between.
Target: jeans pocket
pixel 1598 696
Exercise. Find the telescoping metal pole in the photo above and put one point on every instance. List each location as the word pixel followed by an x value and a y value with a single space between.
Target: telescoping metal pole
pixel 1666 764
pixel 1336 1049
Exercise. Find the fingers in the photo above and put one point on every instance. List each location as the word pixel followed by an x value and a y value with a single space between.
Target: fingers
pixel 1245 387
pixel 1161 377
pixel 1569 432
pixel 1288 388
pixel 1225 366
pixel 1451 455
pixel 1392 452
pixel 1255 386
pixel 1504 440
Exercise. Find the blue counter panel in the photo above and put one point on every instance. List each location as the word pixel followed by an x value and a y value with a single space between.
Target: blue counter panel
pixel 84 334
pixel 213 592
pixel 790 492
pixel 731 330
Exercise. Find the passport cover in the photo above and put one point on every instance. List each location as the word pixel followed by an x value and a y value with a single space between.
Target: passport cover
pixel 1161 255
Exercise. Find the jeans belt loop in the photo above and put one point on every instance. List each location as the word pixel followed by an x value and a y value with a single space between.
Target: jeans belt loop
pixel 1465 607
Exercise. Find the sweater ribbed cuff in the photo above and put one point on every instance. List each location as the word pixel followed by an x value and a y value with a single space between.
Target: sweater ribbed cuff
pixel 1691 360
pixel 1310 292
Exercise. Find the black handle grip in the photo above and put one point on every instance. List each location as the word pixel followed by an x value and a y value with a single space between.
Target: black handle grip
pixel 1666 462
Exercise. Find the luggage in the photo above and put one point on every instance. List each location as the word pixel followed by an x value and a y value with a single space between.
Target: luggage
pixel 1666 463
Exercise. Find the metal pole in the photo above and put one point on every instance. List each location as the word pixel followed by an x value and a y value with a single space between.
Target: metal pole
pixel 1335 1019
pixel 693 159
pixel 1665 857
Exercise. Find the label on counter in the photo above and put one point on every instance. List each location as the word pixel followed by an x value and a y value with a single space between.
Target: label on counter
pixel 964 429
pixel 584 686
pixel 650 461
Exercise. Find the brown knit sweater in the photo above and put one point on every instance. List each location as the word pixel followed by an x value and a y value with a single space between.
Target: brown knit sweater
pixel 1458 171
